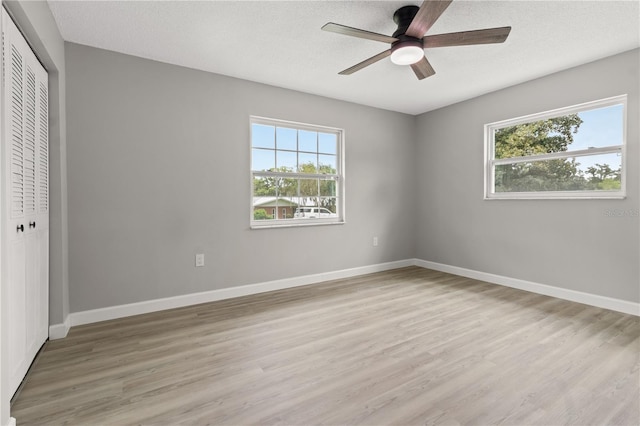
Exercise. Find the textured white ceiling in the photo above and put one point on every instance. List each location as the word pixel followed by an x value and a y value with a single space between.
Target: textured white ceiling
pixel 280 43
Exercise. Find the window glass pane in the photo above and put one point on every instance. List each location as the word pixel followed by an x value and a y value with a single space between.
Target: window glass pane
pixel 286 138
pixel 288 187
pixel 287 211
pixel 262 136
pixel 263 159
pixel 264 187
pixel 264 199
pixel 286 161
pixel 600 127
pixel 602 172
pixel 594 128
pixel 285 208
pixel 309 188
pixel 307 141
pixel 536 137
pixel 327 143
pixel 307 163
pixel 261 213
pixel 591 173
pixel 328 187
pixel 328 164
pixel 329 204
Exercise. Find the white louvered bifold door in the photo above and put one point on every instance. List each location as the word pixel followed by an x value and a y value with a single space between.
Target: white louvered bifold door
pixel 25 181
pixel 41 220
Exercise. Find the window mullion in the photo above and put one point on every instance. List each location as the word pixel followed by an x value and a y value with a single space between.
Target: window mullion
pixel 558 155
pixel 321 176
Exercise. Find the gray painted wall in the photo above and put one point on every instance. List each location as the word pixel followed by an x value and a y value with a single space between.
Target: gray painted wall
pixel 564 243
pixel 158 161
pixel 158 171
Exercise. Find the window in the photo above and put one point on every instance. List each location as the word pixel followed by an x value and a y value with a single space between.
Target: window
pixel 573 152
pixel 296 174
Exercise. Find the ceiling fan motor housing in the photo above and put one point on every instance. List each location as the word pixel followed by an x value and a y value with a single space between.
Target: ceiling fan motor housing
pixel 403 18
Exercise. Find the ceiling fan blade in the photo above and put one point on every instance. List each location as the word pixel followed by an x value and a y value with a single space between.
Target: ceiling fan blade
pixel 423 69
pixel 465 38
pixel 427 15
pixel 355 32
pixel 366 63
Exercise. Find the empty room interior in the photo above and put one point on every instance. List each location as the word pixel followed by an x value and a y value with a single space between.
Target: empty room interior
pixel 320 212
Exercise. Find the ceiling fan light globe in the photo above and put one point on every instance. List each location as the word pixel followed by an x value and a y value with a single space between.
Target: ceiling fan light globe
pixel 407 55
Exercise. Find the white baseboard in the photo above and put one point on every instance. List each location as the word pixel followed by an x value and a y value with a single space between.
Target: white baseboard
pixel 59 331
pixel 121 311
pixel 12 421
pixel 618 305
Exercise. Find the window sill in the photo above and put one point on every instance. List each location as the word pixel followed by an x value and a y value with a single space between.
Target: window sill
pixel 295 225
pixel 557 196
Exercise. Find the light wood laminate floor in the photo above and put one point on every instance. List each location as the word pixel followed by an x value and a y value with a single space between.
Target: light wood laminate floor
pixel 405 347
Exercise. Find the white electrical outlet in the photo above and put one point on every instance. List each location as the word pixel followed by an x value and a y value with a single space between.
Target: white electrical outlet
pixel 375 241
pixel 200 259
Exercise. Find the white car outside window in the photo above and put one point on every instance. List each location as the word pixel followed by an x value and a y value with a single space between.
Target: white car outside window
pixel 313 212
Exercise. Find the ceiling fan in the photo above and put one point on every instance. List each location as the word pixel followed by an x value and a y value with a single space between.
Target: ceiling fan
pixel 409 41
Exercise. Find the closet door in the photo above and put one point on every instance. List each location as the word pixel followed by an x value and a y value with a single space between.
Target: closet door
pixel 15 250
pixel 40 224
pixel 25 215
pixel 36 207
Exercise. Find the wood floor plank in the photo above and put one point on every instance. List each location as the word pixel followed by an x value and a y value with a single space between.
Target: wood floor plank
pixel 403 347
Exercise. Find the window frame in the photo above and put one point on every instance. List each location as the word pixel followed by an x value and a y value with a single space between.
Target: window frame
pixel 338 176
pixel 491 162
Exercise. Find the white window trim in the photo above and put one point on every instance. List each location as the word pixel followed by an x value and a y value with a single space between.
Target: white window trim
pixel 491 162
pixel 339 176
